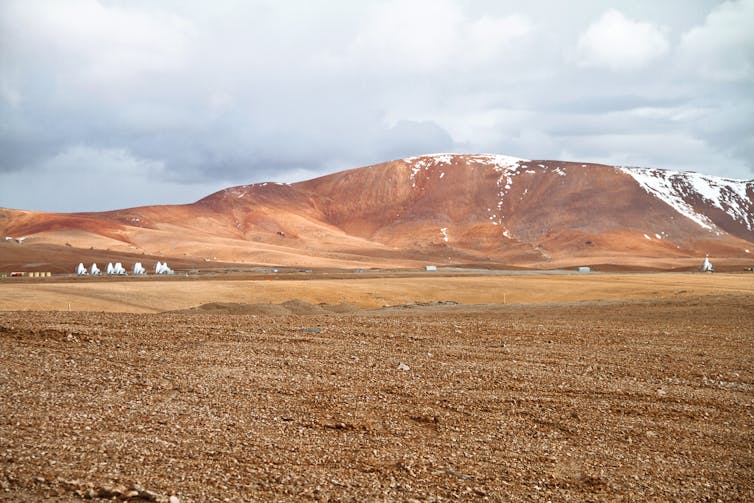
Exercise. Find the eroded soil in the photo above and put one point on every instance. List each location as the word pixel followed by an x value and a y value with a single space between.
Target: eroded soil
pixel 579 402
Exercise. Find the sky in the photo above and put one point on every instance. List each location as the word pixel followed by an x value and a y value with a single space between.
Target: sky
pixel 108 104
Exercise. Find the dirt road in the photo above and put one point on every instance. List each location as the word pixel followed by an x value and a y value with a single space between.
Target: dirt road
pixel 584 402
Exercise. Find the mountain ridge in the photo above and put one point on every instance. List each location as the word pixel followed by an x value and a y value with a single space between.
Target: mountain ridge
pixel 438 208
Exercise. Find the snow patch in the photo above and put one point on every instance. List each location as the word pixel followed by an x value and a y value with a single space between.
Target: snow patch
pixel 412 176
pixel 431 159
pixel 499 162
pixel 444 232
pixel 676 189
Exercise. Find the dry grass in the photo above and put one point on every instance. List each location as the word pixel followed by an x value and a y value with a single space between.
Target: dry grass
pixel 145 295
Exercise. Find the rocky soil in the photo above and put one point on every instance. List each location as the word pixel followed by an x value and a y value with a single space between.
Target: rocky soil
pixel 569 402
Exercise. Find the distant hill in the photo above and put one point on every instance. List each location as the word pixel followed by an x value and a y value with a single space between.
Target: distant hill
pixel 440 209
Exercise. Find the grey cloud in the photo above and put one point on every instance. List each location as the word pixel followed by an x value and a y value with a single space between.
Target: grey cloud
pixel 409 138
pixel 612 103
pixel 196 95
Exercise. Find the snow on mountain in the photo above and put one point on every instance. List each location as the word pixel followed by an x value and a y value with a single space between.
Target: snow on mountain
pixel 439 208
pixel 499 162
pixel 681 190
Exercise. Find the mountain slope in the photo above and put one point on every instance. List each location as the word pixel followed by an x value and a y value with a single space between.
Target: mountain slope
pixel 443 208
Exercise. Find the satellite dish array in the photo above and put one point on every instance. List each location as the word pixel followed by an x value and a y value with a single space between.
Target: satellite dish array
pixel 119 270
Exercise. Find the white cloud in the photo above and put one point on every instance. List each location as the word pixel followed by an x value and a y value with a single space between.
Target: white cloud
pixel 723 47
pixel 107 43
pixel 429 35
pixel 9 93
pixel 620 44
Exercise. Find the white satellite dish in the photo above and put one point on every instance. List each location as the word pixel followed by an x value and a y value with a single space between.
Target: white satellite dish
pixel 81 270
pixel 94 271
pixel 139 269
pixel 707 265
pixel 162 268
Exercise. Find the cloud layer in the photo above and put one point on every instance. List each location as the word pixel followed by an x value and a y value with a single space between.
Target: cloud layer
pixel 114 104
pixel 620 44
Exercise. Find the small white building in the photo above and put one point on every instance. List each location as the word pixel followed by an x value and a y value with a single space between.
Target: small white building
pixel 707 265
pixel 430 267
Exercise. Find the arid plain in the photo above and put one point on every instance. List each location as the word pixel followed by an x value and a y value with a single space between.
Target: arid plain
pixel 302 386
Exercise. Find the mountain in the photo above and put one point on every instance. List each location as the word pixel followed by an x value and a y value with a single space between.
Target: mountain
pixel 441 209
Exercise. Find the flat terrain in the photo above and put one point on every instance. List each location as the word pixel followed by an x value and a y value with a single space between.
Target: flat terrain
pixel 155 294
pixel 616 387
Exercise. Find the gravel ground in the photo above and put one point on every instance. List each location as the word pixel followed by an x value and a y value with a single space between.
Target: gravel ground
pixel 587 402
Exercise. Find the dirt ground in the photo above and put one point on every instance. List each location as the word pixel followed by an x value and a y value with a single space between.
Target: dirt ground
pixel 629 400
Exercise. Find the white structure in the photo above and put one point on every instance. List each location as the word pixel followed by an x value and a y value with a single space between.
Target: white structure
pixel 118 269
pixel 430 267
pixel 139 269
pixel 81 270
pixel 109 269
pixel 161 268
pixel 585 269
pixel 707 265
pixel 94 271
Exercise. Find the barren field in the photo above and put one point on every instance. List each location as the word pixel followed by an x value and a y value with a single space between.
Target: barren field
pixel 156 294
pixel 643 390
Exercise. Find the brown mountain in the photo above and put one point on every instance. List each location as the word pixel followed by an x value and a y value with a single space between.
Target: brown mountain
pixel 439 209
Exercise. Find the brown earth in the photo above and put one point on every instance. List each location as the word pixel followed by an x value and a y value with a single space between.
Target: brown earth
pixel 404 213
pixel 599 400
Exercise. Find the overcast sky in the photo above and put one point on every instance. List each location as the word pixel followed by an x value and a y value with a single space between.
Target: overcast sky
pixel 112 104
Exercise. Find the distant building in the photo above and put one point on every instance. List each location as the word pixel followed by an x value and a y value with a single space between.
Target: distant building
pixel 430 267
pixel 707 265
pixel 585 269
